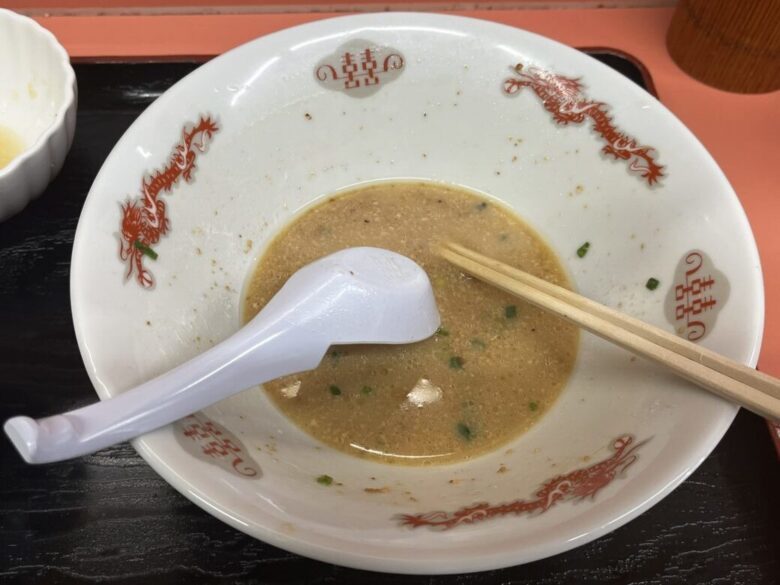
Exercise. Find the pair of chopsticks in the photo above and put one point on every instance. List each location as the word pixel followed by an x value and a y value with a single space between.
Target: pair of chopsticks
pixel 726 378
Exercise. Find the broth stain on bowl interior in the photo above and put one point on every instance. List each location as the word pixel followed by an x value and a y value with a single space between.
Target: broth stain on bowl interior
pixel 11 146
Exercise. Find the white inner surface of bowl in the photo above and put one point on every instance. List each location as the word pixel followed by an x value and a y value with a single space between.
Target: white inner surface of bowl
pixel 33 81
pixel 285 140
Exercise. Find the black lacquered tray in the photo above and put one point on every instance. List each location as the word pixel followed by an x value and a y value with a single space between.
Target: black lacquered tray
pixel 109 518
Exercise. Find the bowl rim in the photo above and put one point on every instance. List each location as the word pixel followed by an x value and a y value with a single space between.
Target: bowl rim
pixel 501 558
pixel 69 95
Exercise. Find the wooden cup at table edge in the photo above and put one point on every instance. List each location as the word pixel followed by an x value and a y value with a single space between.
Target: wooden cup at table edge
pixel 734 46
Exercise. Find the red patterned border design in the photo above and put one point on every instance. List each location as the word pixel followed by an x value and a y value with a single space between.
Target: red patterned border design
pixel 216 442
pixel 361 68
pixel 564 99
pixel 574 486
pixel 144 219
pixel 693 297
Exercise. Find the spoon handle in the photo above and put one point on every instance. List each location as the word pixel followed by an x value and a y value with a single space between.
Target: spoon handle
pixel 251 356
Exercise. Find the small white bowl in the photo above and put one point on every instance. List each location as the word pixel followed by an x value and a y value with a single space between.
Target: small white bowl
pixel 37 104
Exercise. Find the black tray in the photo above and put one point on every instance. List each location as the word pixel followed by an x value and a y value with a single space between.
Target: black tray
pixel 109 518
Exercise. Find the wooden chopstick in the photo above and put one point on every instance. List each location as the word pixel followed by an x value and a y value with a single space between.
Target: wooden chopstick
pixel 739 372
pixel 753 390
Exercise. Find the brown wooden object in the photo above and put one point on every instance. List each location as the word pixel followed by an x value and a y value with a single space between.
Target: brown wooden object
pixel 730 44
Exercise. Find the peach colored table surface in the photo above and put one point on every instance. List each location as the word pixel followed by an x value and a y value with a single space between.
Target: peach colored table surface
pixel 739 130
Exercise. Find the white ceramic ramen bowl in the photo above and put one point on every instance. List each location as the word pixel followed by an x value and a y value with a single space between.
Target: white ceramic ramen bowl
pixel 216 166
pixel 37 103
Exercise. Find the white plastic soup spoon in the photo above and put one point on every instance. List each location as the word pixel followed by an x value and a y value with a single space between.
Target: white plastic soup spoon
pixel 357 295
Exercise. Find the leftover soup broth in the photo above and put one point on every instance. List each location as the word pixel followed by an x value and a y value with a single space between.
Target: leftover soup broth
pixel 493 369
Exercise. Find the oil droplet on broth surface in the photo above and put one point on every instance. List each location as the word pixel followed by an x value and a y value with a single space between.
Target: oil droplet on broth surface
pixel 11 146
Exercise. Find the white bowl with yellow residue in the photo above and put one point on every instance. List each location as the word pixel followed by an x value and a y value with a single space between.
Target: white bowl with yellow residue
pixel 218 165
pixel 37 110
